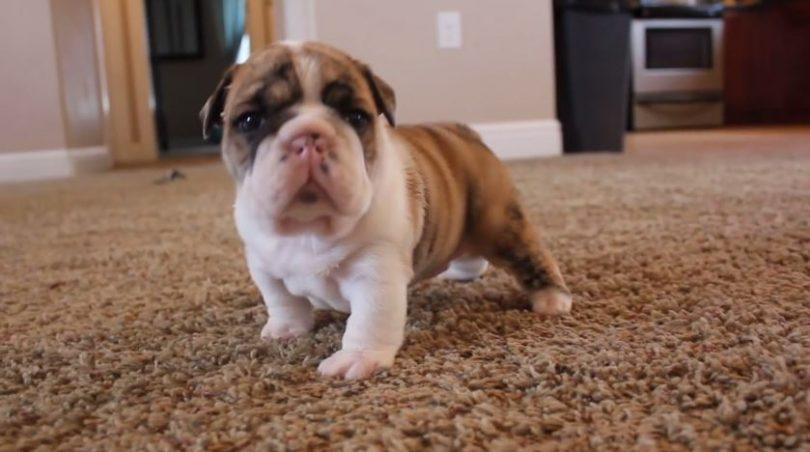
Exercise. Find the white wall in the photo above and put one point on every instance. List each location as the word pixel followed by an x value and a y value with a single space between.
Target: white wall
pixel 501 80
pixel 51 117
pixel 503 71
pixel 79 76
pixel 30 108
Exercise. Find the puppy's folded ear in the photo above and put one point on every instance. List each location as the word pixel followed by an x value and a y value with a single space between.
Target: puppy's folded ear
pixel 384 96
pixel 211 113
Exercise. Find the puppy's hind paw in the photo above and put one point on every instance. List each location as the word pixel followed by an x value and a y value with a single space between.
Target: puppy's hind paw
pixel 551 301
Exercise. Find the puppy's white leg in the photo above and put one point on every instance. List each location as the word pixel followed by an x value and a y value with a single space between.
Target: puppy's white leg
pixel 465 268
pixel 377 291
pixel 288 316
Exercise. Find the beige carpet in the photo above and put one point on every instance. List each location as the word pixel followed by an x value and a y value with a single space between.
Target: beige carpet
pixel 127 320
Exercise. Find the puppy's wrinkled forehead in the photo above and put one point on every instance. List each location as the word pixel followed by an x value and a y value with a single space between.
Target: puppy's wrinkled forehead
pixel 309 73
pixel 254 101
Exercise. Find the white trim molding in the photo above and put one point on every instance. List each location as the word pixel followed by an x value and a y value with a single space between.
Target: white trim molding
pixel 514 140
pixel 52 164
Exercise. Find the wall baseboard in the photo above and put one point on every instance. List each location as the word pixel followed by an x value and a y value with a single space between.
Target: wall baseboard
pixel 510 140
pixel 52 164
pixel 514 140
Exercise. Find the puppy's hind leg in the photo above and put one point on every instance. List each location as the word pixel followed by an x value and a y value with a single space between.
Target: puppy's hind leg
pixel 515 245
pixel 465 268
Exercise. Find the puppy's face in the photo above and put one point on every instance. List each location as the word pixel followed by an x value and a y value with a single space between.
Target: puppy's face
pixel 300 129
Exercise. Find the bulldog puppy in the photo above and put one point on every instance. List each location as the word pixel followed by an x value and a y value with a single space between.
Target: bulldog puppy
pixel 339 209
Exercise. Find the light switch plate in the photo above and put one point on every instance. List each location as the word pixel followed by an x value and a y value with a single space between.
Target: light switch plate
pixel 449 29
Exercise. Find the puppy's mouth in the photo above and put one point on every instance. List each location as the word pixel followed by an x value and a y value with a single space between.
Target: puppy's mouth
pixel 310 202
pixel 310 209
pixel 308 196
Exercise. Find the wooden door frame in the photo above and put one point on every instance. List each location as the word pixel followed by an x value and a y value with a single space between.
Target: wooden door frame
pixel 127 91
pixel 260 23
pixel 126 80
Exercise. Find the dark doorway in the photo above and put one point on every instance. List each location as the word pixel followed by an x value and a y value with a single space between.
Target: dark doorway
pixel 191 44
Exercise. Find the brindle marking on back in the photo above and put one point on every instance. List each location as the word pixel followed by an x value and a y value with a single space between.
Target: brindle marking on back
pixel 514 212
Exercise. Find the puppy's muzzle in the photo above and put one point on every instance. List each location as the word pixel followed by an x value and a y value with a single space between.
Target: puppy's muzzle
pixel 309 149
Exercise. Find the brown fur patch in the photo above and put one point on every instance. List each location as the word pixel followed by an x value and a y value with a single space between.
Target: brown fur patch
pixel 472 208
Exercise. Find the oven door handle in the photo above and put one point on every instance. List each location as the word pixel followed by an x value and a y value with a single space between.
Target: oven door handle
pixel 679 97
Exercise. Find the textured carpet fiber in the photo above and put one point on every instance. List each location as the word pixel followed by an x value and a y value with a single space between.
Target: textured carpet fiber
pixel 127 320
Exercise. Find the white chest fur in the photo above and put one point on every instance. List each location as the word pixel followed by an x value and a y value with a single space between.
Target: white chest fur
pixel 308 267
pixel 321 291
pixel 312 267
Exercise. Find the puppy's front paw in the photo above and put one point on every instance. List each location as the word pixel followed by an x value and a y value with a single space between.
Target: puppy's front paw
pixel 551 301
pixel 353 365
pixel 279 328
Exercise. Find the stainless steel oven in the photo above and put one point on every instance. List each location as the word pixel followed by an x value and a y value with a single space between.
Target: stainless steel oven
pixel 677 75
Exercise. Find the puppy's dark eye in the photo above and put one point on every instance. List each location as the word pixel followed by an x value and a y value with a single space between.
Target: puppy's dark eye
pixel 357 119
pixel 248 122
